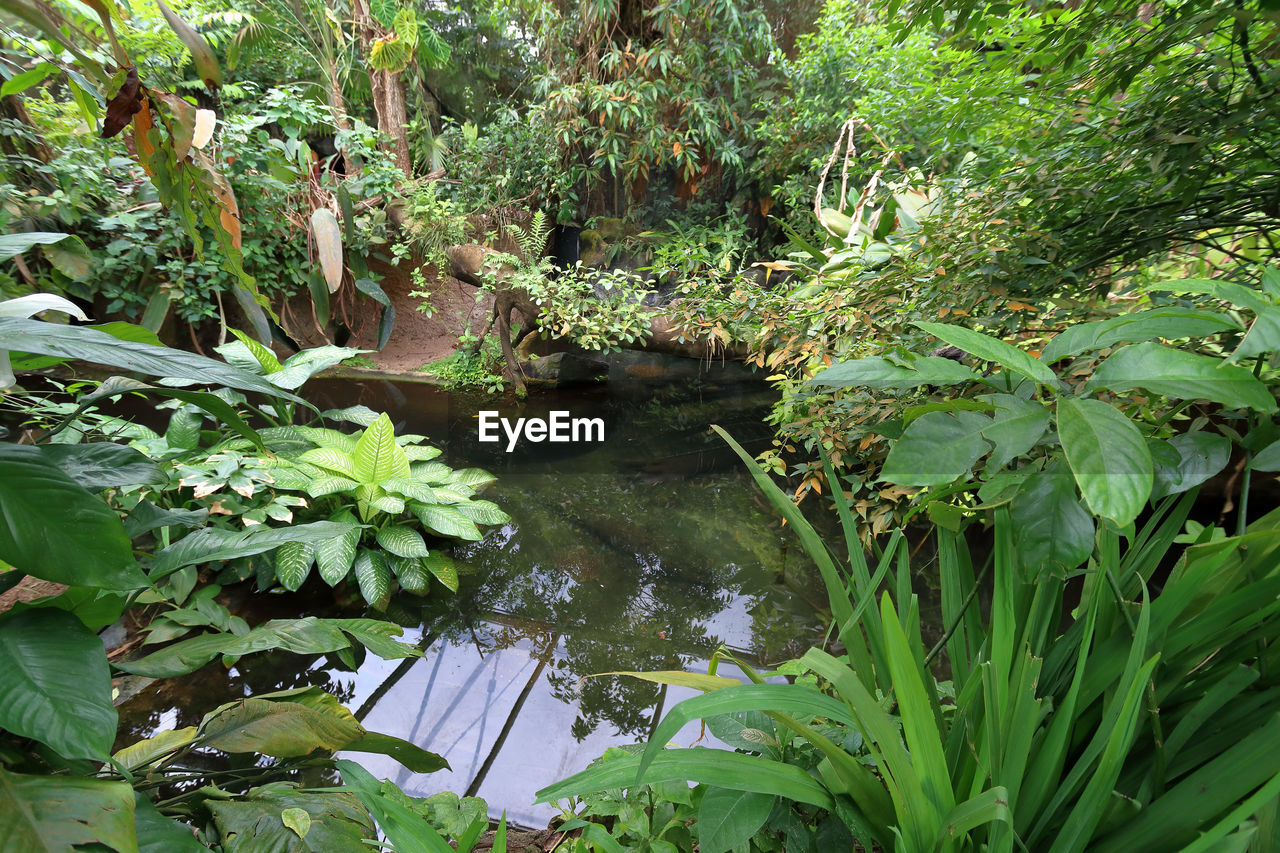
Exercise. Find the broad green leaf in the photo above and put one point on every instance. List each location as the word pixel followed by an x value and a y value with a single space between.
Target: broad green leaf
pixel 1182 375
pixel 374 578
pixel 431 472
pixel 473 477
pixel 178 659
pixel 936 449
pixel 419 454
pixel 411 488
pixel 410 755
pixel 988 807
pixel 407 830
pixel 100 465
pixel 302 366
pixel 402 541
pixel 55 685
pixel 160 834
pixel 85 344
pixel 253 824
pixel 153 749
pixel 334 556
pixel 878 372
pixel 378 457
pixel 1167 323
pixel 19 83
pixel 64 814
pixel 1267 459
pixel 1051 530
pixel 52 528
pixel 727 818
pixel 378 637
pixel 24 241
pixel 278 729
pixel 710 766
pixel 441 566
pixel 383 502
pixel 991 349
pixel 330 486
pixel 184 429
pixel 34 303
pixel 293 564
pixel 1263 335
pixel 445 520
pixel 358 415
pixel 1108 457
pixel 411 573
pixel 483 512
pixel 1201 456
pixel 1015 428
pixel 307 635
pixel 211 403
pixel 332 460
pixel 210 543
pixel 265 358
pixel 383 11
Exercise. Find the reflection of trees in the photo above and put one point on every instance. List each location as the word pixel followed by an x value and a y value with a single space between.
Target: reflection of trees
pixel 628 572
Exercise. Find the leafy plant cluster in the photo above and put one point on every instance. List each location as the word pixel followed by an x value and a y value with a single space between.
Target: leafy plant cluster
pixel 112 522
pixel 1077 713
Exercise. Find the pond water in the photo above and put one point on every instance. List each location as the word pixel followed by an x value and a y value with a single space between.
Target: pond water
pixel 645 551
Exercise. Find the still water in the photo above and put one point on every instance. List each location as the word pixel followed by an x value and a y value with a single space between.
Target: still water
pixel 645 551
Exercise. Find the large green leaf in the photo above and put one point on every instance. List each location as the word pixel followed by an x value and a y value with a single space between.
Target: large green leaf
pixel 378 457
pixel 1167 323
pixel 445 520
pixel 728 818
pixel 293 563
pixel 64 814
pixel 1108 457
pixel 300 367
pixel 441 566
pixel 1051 530
pixel 201 54
pixel 23 241
pixel 308 635
pixel 210 544
pixel 55 685
pixel 334 556
pixel 878 372
pixel 1182 375
pixel 101 465
pixel 1201 456
pixel 712 766
pixel 374 577
pixel 1015 428
pixel 53 529
pixel 278 729
pixel 988 348
pixel 153 749
pixel 337 822
pixel 482 512
pixel 160 834
pixel 937 448
pixel 86 344
pixel 407 830
pixel 402 541
pixel 410 755
pixel 211 403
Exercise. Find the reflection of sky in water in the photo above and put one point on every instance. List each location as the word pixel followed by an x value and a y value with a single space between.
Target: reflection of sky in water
pixel 640 554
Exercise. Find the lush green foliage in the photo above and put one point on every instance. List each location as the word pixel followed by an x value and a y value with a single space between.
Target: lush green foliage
pixel 1040 728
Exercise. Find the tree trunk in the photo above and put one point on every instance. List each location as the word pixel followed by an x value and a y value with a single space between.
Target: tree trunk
pixel 388 91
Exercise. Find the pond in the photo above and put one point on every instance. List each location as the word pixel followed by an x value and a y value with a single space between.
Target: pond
pixel 644 551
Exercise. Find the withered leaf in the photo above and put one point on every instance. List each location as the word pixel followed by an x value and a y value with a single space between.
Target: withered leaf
pixel 122 107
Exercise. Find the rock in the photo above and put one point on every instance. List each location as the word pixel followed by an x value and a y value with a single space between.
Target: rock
pixel 565 368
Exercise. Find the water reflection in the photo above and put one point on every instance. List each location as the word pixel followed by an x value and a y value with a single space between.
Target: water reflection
pixel 644 552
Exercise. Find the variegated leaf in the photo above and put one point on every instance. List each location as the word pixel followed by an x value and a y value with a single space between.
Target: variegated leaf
pixel 411 573
pixel 442 567
pixel 374 577
pixel 293 564
pixel 445 520
pixel 331 460
pixel 402 541
pixel 483 512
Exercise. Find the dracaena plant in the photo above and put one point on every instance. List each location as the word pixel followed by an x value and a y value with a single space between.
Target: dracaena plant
pixel 1099 401
pixel 390 490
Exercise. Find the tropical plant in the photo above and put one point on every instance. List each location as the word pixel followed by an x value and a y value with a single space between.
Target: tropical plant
pixel 1125 721
pixel 1121 449
pixel 385 480
pixel 64 787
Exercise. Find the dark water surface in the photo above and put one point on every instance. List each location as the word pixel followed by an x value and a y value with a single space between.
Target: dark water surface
pixel 643 552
